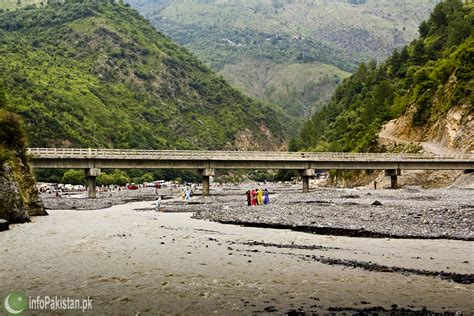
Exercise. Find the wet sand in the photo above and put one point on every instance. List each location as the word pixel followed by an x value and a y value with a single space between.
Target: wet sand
pixel 131 260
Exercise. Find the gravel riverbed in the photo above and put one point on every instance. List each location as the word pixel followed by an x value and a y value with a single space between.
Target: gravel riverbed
pixel 404 213
pixel 410 212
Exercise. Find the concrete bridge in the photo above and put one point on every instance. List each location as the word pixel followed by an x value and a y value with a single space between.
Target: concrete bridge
pixel 93 160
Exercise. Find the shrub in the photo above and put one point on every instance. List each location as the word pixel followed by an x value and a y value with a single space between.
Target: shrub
pixel 74 177
pixel 12 132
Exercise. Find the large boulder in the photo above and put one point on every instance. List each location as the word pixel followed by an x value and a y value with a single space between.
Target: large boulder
pixel 11 203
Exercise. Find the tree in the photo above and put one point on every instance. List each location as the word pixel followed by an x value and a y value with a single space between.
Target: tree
pixel 424 29
pixel 418 54
pixel 395 63
pixel 74 177
pixel 147 177
pixel 439 16
pixel 459 29
pixel 105 179
pixel 120 177
pixel 12 132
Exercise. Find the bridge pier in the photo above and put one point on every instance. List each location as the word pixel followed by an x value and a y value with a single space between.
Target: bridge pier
pixel 92 174
pixel 306 174
pixel 206 180
pixel 393 173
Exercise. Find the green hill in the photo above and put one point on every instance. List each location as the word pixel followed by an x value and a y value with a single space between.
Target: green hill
pixel 429 84
pixel 95 73
pixel 260 45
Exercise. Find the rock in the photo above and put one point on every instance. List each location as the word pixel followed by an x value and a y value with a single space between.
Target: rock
pixel 33 204
pixel 3 225
pixel 11 205
pixel 377 203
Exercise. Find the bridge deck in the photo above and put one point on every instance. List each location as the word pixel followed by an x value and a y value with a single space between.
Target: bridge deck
pixel 92 160
pixel 127 154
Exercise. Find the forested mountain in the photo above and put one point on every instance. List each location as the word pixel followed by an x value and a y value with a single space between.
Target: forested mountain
pixel 289 52
pixel 95 73
pixel 427 85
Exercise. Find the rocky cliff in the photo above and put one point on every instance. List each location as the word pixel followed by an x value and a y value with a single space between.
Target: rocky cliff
pixel 19 198
pixel 454 132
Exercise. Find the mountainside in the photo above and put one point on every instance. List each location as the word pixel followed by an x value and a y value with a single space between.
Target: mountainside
pixel 95 73
pixel 427 87
pixel 261 45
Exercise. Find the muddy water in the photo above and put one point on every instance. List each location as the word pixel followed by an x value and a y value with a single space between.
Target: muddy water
pixel 132 262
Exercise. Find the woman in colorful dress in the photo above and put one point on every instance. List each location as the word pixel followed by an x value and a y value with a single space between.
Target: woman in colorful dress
pixel 254 197
pixel 266 198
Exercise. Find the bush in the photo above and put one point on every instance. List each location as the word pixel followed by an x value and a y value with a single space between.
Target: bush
pixel 147 177
pixel 120 177
pixel 12 132
pixel 105 179
pixel 74 177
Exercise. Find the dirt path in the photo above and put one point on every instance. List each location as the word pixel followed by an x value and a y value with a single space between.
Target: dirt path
pixel 387 133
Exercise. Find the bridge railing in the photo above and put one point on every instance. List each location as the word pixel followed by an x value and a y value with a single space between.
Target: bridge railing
pixel 137 154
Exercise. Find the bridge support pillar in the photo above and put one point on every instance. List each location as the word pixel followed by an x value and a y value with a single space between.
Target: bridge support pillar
pixel 92 175
pixel 393 174
pixel 306 174
pixel 206 180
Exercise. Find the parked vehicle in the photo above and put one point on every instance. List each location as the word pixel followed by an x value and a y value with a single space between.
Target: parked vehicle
pixel 132 186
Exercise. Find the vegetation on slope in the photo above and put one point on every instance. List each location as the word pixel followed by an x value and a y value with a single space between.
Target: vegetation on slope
pixel 428 77
pixel 235 37
pixel 95 73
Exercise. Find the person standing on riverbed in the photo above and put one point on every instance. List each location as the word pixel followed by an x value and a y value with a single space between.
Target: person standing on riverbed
pixel 254 197
pixel 158 203
pixel 249 198
pixel 259 197
pixel 266 198
pixel 188 194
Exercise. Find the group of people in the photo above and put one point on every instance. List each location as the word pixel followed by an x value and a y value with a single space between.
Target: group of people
pixel 185 196
pixel 257 197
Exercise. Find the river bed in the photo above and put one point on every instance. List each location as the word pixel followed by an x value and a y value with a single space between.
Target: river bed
pixel 132 260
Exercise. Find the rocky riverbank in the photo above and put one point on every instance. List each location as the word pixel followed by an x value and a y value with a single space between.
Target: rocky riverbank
pixel 79 200
pixel 404 213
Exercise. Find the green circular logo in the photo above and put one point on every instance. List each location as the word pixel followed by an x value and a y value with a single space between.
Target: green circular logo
pixel 15 303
